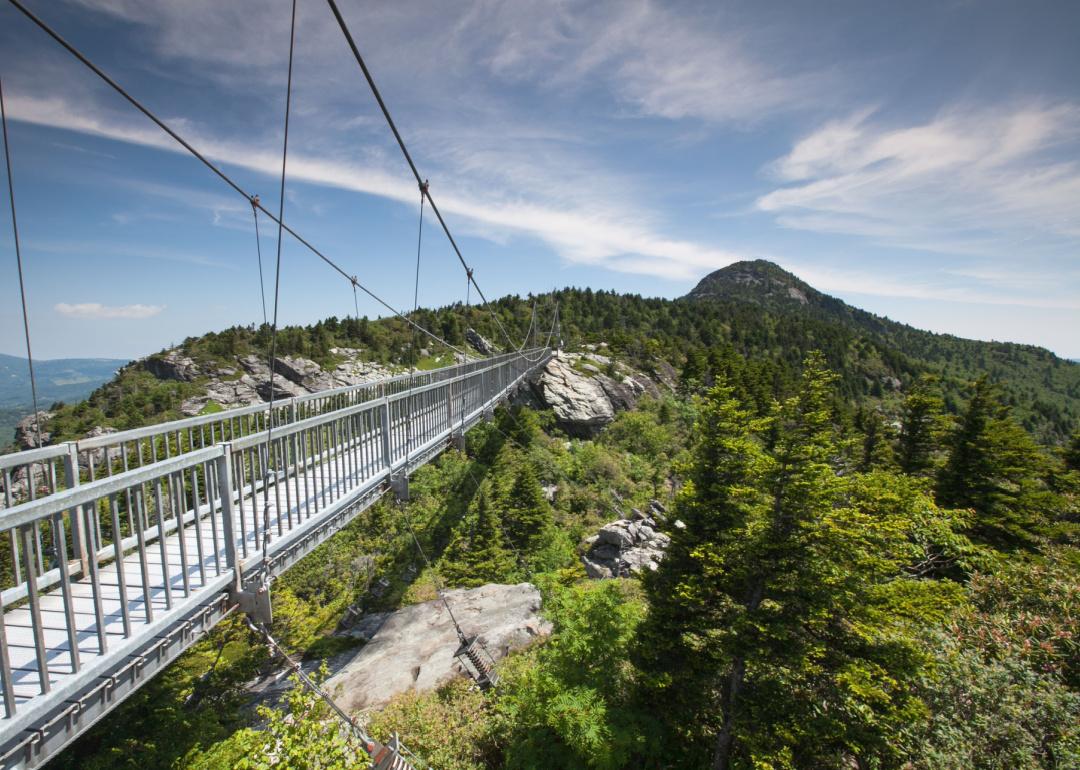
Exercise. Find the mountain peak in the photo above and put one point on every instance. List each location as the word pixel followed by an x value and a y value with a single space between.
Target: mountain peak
pixel 756 280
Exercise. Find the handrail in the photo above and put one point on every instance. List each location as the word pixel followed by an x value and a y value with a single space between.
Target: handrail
pixel 43 507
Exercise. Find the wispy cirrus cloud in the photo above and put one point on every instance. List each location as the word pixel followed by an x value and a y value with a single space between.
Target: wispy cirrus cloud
pixel 98 311
pixel 605 235
pixel 968 181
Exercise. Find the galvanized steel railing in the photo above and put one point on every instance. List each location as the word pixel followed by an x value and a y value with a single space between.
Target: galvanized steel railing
pixel 36 473
pixel 102 566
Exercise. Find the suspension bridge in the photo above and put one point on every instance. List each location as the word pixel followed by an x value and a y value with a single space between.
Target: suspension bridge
pixel 127 548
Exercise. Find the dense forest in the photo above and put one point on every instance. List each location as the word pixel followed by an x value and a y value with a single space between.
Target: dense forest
pixel 752 310
pixel 840 595
pixel 873 556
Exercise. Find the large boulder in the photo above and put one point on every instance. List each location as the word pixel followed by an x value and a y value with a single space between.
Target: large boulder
pixel 173 365
pixel 413 648
pixel 580 404
pixel 479 342
pixel 26 430
pixel 625 547
pixel 304 372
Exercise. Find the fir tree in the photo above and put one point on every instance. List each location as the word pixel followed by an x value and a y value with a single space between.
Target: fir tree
pixel 1072 453
pixel 921 425
pixel 768 632
pixel 477 554
pixel 994 468
pixel 527 516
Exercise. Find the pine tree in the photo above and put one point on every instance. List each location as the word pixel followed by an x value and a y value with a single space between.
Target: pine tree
pixel 994 468
pixel 921 425
pixel 767 636
pixel 527 516
pixel 478 554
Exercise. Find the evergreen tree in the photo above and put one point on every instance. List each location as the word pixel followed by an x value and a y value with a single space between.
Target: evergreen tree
pixel 875 450
pixel 477 554
pixel 527 516
pixel 921 424
pixel 1072 453
pixel 994 469
pixel 769 624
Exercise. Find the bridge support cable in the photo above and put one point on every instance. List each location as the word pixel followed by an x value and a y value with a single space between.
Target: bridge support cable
pixel 425 190
pixel 258 252
pixel 18 263
pixel 382 755
pixel 45 27
pixel 270 464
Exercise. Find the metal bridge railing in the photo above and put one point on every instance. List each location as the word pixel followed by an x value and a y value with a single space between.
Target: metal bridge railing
pixel 108 563
pixel 33 474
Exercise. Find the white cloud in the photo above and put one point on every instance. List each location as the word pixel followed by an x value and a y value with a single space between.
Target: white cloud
pixel 990 175
pixel 606 234
pixel 97 311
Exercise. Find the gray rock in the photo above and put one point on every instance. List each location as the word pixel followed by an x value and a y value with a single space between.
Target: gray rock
pixel 26 430
pixel 479 343
pixel 173 365
pixel 623 548
pixel 579 402
pixel 413 648
pixel 616 534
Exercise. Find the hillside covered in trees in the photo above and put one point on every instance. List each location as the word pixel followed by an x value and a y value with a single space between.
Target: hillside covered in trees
pixel 749 310
pixel 872 557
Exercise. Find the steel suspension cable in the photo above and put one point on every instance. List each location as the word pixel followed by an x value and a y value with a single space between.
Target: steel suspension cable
pixel 408 158
pixel 19 264
pixel 270 453
pixel 434 572
pixel 45 27
pixel 258 252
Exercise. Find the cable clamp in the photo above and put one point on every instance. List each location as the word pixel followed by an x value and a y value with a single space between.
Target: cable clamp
pixel 424 187
pixel 254 200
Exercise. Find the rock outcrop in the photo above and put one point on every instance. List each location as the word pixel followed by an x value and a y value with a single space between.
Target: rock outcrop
pixel 26 430
pixel 479 342
pixel 293 376
pixel 580 404
pixel 413 648
pixel 585 390
pixel 625 547
pixel 173 365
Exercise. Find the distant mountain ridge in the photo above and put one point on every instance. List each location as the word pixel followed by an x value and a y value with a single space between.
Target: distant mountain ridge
pixel 1036 380
pixel 59 379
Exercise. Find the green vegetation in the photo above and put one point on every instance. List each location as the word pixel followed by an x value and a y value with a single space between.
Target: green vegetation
pixel 859 576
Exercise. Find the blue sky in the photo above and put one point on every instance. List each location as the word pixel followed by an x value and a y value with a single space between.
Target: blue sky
pixel 920 160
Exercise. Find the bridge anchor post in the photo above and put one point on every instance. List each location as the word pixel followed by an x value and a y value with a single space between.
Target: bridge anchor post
pixel 255 603
pixel 399 484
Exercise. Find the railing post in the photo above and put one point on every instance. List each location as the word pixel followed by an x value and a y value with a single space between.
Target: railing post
pixel 78 533
pixel 387 445
pixel 225 495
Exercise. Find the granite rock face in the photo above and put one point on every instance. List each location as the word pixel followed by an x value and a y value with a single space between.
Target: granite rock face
pixel 413 648
pixel 481 344
pixel 626 547
pixel 580 404
pixel 586 390
pixel 26 430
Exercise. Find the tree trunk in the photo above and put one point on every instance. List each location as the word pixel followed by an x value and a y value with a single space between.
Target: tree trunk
pixel 726 738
